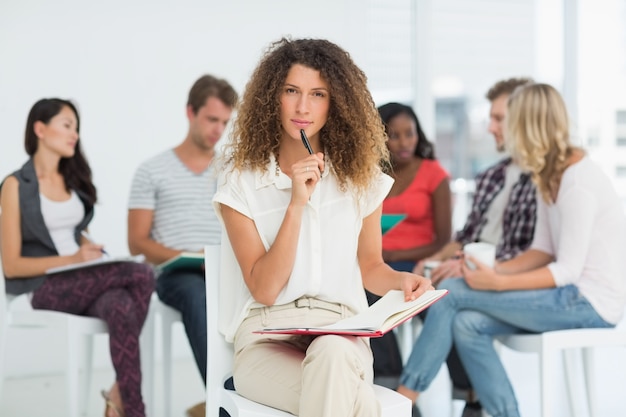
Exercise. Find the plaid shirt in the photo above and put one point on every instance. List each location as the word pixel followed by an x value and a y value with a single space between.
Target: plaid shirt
pixel 518 221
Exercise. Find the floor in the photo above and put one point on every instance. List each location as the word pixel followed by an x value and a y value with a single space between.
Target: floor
pixel 43 396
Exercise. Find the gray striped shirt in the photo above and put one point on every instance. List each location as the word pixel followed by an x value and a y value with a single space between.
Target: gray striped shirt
pixel 184 218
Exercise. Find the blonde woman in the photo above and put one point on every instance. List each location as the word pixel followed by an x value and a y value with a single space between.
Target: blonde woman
pixel 570 277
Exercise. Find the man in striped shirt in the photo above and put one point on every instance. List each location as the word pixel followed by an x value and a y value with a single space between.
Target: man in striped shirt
pixel 170 209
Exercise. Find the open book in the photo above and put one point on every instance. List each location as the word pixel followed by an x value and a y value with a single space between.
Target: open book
pixel 186 260
pixel 100 261
pixel 385 314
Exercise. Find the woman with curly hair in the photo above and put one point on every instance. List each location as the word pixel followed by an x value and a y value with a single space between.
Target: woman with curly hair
pixel 570 277
pixel 303 230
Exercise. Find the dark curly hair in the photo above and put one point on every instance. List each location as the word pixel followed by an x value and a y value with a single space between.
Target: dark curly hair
pixel 75 170
pixel 353 137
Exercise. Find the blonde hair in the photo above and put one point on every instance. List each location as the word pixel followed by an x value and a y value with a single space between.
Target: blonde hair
pixel 537 135
pixel 353 138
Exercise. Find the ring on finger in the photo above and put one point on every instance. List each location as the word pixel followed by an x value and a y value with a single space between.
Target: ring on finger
pixel 307 169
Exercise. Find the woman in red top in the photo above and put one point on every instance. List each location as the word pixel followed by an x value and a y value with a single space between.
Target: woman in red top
pixel 421 191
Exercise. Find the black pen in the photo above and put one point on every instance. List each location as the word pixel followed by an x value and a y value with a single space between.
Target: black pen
pixel 305 140
pixel 307 145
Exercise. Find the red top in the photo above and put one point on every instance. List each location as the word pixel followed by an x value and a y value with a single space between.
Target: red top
pixel 418 228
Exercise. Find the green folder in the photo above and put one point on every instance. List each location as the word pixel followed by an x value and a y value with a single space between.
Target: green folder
pixel 186 260
pixel 387 221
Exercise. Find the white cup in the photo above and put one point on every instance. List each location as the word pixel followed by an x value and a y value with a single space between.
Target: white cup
pixel 429 266
pixel 481 251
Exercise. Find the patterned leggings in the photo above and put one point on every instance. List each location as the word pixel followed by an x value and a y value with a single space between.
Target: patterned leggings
pixel 119 294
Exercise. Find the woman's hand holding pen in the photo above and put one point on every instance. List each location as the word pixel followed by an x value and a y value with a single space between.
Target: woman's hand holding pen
pixel 304 177
pixel 88 249
pixel 87 252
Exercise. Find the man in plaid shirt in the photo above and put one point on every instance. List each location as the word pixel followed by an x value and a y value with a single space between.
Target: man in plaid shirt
pixel 503 213
pixel 504 205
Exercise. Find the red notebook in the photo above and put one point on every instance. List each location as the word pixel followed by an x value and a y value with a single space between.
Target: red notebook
pixel 381 317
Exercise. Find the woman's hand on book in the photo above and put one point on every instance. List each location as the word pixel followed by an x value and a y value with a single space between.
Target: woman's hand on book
pixel 414 285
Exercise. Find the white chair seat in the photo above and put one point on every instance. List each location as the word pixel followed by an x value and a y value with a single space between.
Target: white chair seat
pixel 392 404
pixel 567 342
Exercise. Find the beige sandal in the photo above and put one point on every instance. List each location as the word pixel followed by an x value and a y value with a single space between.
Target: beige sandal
pixel 110 405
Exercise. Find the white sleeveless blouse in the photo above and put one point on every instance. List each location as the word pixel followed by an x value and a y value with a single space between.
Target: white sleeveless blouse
pixel 61 218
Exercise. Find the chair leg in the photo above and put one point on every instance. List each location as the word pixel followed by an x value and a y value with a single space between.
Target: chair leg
pixel 71 372
pixel 544 383
pixel 146 342
pixel 570 361
pixel 405 336
pixel 452 410
pixel 167 366
pixel 85 389
pixel 3 344
pixel 590 381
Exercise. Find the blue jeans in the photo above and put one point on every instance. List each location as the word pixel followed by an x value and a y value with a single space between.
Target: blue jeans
pixel 472 318
pixel 406 266
pixel 185 291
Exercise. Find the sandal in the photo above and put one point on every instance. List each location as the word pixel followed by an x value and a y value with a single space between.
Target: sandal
pixel 110 405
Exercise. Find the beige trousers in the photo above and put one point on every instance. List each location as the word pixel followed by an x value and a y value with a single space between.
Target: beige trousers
pixel 323 376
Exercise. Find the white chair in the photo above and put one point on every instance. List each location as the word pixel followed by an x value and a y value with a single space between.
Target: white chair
pixel 167 317
pixel 79 332
pixel 566 341
pixel 220 362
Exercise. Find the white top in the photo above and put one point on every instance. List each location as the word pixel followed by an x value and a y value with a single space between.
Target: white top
pixel 492 230
pixel 181 201
pixel 61 219
pixel 585 231
pixel 326 265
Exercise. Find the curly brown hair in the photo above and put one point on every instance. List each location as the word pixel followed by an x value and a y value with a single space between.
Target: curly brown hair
pixel 353 137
